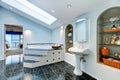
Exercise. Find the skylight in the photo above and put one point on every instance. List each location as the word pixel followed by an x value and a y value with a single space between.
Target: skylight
pixel 32 10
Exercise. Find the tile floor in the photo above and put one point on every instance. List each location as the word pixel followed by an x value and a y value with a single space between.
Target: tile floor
pixel 58 71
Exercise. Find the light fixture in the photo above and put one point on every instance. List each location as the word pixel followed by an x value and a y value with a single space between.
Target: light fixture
pixel 69 6
pixel 32 10
pixel 28 33
pixel 61 27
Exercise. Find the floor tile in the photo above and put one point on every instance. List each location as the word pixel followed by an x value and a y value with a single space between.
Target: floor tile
pixel 56 71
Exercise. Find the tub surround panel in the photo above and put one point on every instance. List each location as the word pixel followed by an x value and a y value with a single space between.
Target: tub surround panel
pixel 41 54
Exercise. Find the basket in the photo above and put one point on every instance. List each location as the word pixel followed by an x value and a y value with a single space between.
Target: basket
pixel 112 63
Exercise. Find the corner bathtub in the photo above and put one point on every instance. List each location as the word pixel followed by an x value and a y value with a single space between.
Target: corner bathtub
pixel 41 55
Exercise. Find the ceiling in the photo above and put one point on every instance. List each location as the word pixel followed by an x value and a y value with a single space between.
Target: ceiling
pixel 63 14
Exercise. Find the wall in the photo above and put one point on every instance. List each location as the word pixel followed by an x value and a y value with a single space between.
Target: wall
pixel 35 32
pixel 57 38
pixel 1 42
pixel 100 71
pixel 97 70
pixel 58 35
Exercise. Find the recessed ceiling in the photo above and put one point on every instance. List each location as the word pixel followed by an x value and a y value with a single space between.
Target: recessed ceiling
pixel 63 14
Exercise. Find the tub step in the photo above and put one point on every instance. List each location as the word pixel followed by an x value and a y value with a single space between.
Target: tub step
pixel 30 61
pixel 33 58
pixel 34 55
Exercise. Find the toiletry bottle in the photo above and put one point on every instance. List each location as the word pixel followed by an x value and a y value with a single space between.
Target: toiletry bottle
pixel 113 27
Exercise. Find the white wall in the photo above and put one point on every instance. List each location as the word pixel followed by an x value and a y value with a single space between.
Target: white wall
pixel 57 38
pixel 97 70
pixel 38 34
pixel 100 71
pixel 58 35
pixel 1 42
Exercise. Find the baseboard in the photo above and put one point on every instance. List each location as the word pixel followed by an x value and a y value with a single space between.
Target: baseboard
pixel 69 62
pixel 92 75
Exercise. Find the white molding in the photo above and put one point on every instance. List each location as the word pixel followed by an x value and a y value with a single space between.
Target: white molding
pixel 92 75
pixel 69 62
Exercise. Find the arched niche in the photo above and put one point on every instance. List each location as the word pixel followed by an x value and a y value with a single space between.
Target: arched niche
pixel 105 33
pixel 68 37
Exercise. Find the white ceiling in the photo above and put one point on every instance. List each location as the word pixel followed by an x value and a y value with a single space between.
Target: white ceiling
pixel 63 14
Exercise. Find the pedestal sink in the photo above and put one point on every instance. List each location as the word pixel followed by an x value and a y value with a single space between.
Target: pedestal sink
pixel 78 52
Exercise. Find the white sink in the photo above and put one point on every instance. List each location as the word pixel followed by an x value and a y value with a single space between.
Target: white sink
pixel 78 53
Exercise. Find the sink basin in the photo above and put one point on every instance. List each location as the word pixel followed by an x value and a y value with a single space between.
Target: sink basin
pixel 78 53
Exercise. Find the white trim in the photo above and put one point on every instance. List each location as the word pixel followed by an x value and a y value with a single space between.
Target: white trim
pixel 92 75
pixel 69 62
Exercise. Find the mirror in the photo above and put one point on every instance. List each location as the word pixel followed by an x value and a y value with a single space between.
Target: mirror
pixel 81 30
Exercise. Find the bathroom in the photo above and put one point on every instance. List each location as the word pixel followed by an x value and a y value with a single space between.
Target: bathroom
pixel 91 66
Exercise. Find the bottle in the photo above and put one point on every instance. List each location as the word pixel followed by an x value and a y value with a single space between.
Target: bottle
pixel 113 27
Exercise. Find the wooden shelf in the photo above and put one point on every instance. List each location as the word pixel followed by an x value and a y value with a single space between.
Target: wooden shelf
pixel 109 44
pixel 111 31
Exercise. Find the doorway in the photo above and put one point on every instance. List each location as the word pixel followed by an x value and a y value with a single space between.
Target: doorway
pixel 13 43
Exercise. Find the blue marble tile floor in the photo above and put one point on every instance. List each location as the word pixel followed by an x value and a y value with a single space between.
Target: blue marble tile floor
pixel 56 71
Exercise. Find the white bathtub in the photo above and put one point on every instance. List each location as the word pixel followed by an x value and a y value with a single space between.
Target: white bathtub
pixel 39 49
pixel 42 55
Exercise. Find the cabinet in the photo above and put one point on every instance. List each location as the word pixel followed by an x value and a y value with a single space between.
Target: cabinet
pixel 108 36
pixel 35 58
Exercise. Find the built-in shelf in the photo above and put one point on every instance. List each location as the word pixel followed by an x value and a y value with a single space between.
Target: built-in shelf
pixel 68 37
pixel 108 23
pixel 109 44
pixel 111 31
pixel 107 37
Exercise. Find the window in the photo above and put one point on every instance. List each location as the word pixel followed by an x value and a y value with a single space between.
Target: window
pixel 13 40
